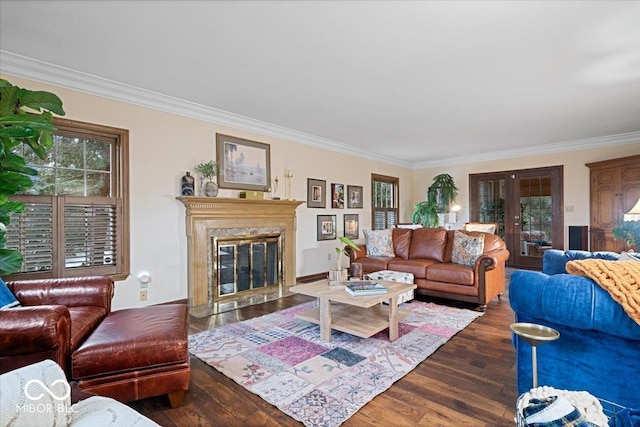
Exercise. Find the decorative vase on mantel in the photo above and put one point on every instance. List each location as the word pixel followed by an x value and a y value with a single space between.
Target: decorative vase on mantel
pixel 210 189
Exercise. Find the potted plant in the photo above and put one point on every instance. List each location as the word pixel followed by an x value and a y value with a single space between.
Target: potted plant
pixel 340 274
pixel 629 232
pixel 425 213
pixel 440 196
pixel 25 118
pixel 208 170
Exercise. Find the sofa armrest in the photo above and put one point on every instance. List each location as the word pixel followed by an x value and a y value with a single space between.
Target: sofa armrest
pixel 25 330
pixel 490 260
pixel 569 300
pixel 354 254
pixel 94 291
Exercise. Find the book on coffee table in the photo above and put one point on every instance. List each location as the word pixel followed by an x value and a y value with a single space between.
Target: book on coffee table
pixel 357 288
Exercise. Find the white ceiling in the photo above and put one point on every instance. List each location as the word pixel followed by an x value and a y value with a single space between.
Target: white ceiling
pixel 413 83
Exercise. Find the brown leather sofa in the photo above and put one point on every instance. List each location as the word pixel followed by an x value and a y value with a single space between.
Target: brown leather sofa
pixel 426 253
pixel 127 354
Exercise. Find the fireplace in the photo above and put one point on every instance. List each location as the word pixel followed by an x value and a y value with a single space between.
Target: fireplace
pixel 239 252
pixel 245 263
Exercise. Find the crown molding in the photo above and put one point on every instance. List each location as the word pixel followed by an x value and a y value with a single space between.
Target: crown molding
pixel 55 75
pixel 578 144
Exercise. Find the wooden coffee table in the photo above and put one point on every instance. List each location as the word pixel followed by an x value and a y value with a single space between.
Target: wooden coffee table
pixel 362 316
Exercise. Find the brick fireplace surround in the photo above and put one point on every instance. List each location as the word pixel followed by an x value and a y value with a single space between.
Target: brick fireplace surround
pixel 208 217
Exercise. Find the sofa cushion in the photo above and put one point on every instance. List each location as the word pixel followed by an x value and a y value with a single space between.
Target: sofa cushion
pixel 379 242
pixel 428 243
pixel 401 242
pixel 371 264
pixel 466 249
pixel 451 273
pixel 83 321
pixel 417 267
pixel 555 260
pixel 142 338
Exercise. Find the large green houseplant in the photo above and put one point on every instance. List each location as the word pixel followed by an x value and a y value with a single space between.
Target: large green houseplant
pixel 440 196
pixel 25 119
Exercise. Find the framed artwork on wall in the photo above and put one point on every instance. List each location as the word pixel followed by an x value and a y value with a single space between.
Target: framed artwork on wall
pixel 351 226
pixel 354 196
pixel 316 193
pixel 337 196
pixel 326 227
pixel 243 164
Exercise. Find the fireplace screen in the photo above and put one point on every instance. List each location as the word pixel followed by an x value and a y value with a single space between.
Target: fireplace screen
pixel 246 263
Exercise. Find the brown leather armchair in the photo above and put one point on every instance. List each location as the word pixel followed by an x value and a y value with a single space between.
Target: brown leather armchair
pixel 55 317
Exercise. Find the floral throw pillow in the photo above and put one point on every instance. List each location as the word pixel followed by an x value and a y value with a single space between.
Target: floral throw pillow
pixel 379 242
pixel 466 249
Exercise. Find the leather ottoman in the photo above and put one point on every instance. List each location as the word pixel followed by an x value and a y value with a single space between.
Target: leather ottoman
pixel 136 353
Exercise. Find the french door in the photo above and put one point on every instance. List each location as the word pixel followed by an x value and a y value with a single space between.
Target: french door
pixel 527 205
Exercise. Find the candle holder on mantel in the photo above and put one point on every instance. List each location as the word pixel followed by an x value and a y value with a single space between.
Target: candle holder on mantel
pixel 289 176
pixel 275 196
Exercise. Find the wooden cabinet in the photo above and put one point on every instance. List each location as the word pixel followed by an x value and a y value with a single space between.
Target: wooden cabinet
pixel 615 188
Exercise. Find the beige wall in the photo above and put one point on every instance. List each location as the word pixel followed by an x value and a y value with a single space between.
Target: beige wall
pixel 163 146
pixel 576 177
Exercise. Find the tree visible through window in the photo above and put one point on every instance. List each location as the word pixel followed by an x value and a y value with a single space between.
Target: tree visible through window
pixel 76 219
pixel 384 201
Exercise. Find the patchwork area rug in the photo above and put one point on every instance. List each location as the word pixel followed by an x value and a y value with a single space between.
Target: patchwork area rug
pixel 283 359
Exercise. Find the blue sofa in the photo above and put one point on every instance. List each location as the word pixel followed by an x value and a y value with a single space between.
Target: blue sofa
pixel 599 346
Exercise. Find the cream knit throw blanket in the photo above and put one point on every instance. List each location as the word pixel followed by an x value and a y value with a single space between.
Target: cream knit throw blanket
pixel 620 278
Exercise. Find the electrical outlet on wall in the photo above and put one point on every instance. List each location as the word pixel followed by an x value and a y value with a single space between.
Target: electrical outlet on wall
pixel 329 256
pixel 143 295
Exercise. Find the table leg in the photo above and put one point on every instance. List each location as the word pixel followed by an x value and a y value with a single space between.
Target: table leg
pixel 393 318
pixel 325 319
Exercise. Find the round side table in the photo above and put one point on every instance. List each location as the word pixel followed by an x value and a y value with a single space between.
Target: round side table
pixel 535 335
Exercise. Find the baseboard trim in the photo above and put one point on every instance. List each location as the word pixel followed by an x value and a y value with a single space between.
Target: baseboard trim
pixel 312 277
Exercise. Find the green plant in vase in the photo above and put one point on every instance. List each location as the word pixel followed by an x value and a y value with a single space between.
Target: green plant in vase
pixel 26 122
pixel 208 170
pixel 340 274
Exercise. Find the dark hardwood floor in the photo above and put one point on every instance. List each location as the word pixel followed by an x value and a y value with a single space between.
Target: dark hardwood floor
pixel 468 381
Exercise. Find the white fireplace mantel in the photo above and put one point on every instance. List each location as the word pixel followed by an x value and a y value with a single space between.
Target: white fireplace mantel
pixel 208 213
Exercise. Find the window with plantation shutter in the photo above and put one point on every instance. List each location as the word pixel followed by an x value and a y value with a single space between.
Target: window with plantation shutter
pixel 75 221
pixel 384 201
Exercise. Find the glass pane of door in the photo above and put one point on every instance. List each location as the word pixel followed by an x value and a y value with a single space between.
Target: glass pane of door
pixel 491 195
pixel 226 269
pixel 257 264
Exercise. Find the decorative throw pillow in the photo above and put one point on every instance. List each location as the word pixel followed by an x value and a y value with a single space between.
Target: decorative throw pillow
pixel 626 256
pixel 466 249
pixel 379 242
pixel 7 299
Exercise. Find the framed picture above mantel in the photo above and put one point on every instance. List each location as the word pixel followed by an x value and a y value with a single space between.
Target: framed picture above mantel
pixel 243 164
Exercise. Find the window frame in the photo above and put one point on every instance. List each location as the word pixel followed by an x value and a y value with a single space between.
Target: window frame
pixel 119 198
pixel 395 181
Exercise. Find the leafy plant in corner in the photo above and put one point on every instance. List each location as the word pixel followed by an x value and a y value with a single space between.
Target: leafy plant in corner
pixel 342 250
pixel 440 195
pixel 25 118
pixel 208 169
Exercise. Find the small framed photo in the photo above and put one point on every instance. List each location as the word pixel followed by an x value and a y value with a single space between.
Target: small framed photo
pixel 354 196
pixel 351 226
pixel 326 227
pixel 337 196
pixel 316 193
pixel 243 164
